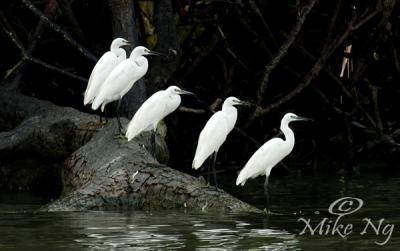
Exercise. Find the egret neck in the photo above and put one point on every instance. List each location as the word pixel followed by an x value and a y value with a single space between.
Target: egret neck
pixel 230 114
pixel 117 50
pixel 289 135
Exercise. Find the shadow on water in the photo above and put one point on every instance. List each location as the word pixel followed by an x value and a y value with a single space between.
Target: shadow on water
pixel 292 198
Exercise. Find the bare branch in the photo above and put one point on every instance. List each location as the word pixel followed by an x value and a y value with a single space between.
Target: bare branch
pixel 256 10
pixel 191 110
pixel 60 31
pixel 319 64
pixel 229 50
pixel 56 69
pixel 332 23
pixel 26 56
pixel 283 50
pixel 338 82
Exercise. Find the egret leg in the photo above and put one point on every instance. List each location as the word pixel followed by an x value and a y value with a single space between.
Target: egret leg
pixel 153 143
pixel 105 117
pixel 214 161
pixel 266 192
pixel 209 170
pixel 121 131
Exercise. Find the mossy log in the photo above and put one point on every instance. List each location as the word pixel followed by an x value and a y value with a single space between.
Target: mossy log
pixel 101 171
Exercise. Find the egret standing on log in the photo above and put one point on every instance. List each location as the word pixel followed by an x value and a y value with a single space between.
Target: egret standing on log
pixel 122 78
pixel 215 132
pixel 103 68
pixel 270 154
pixel 153 110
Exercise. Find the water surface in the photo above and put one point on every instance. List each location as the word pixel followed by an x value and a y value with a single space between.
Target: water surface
pixel 22 228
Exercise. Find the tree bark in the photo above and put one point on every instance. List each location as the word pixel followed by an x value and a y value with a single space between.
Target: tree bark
pixel 101 172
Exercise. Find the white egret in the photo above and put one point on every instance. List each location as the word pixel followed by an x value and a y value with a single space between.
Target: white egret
pixel 215 132
pixel 103 68
pixel 270 154
pixel 153 110
pixel 122 78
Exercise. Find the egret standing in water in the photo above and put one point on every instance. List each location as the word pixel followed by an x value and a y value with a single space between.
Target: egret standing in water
pixel 122 78
pixel 215 132
pixel 270 154
pixel 153 110
pixel 103 68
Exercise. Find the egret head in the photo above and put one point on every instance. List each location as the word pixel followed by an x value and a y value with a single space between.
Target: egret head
pixel 142 51
pixel 289 117
pixel 176 90
pixel 118 42
pixel 232 101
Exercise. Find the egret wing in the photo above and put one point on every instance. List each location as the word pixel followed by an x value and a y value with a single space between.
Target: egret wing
pixel 211 138
pixel 119 81
pixel 267 156
pixel 151 112
pixel 99 74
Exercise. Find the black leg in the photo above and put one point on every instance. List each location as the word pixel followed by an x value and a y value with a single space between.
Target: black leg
pixel 118 118
pixel 266 192
pixel 105 114
pixel 214 161
pixel 209 170
pixel 153 143
pixel 105 117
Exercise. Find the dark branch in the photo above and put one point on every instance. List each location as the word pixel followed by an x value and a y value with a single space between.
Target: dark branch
pixel 283 50
pixel 13 37
pixel 60 31
pixel 319 64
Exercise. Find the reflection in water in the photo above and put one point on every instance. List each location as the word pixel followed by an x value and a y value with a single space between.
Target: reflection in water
pixel 175 230
pixel 22 229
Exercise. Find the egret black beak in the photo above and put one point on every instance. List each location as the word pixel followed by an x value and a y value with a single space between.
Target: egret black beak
pixel 298 118
pixel 183 92
pixel 246 103
pixel 127 43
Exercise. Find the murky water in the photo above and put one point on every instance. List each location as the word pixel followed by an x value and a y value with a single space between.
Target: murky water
pixel 294 200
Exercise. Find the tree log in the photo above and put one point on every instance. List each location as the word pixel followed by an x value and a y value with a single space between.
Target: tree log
pixel 101 171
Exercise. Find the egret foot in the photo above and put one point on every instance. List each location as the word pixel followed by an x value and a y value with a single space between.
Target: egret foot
pixel 120 135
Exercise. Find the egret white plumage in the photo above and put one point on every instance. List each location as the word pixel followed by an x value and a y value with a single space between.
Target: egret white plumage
pixel 153 110
pixel 215 132
pixel 122 78
pixel 270 154
pixel 103 68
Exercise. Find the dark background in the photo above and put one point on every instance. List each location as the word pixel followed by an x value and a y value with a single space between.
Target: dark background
pixel 224 49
